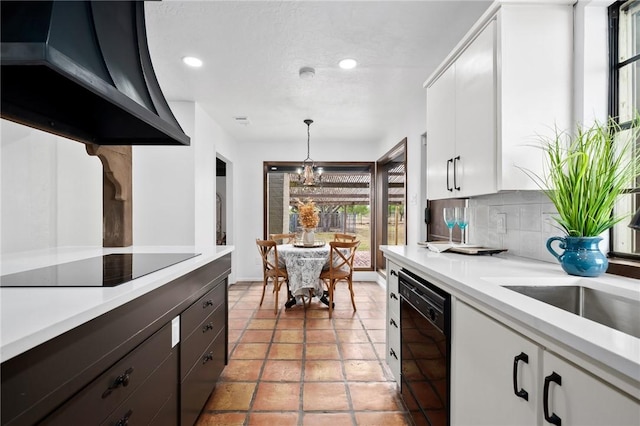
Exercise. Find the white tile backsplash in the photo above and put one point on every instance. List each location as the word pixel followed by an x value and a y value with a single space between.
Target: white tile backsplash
pixel 529 223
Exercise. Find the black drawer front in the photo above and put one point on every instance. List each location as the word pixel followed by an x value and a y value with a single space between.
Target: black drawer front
pixel 201 309
pixel 192 348
pixel 201 380
pixel 148 400
pixel 168 414
pixel 95 402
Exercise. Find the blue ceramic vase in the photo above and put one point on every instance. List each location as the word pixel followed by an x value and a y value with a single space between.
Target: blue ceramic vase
pixel 581 256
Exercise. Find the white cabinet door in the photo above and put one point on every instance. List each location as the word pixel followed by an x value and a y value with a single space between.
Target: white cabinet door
pixel 581 399
pixel 511 83
pixel 393 320
pixel 475 106
pixel 441 135
pixel 482 384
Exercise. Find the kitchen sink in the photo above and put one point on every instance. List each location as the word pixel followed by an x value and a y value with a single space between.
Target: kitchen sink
pixel 614 311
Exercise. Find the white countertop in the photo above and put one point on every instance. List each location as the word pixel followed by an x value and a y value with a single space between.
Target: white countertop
pixel 479 279
pixel 31 316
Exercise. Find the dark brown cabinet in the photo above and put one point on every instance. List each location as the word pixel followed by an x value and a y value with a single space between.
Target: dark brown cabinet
pixel 125 367
pixel 202 352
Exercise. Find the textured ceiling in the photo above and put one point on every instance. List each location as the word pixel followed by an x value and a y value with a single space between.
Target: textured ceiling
pixel 252 52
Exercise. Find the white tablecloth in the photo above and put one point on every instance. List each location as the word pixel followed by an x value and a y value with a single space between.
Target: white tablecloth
pixel 304 265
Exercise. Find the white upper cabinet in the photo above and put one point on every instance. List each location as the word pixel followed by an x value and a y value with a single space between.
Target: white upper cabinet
pixel 441 111
pixel 507 83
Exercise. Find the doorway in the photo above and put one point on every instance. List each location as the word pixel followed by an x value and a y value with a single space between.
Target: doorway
pixel 391 194
pixel 221 202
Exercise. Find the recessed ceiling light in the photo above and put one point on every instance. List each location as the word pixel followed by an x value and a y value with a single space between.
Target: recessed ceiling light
pixel 347 64
pixel 307 73
pixel 192 61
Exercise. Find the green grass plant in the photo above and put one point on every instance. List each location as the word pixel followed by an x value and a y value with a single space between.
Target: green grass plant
pixel 586 172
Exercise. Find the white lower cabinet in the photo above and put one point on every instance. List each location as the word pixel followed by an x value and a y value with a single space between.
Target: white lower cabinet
pixel 582 399
pixel 393 321
pixel 500 377
pixel 483 357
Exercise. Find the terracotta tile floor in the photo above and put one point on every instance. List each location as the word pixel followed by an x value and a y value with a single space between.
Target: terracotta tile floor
pixel 298 367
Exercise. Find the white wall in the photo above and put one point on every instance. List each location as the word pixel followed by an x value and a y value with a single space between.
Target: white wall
pixel 412 126
pixel 51 191
pixel 164 188
pixel 174 188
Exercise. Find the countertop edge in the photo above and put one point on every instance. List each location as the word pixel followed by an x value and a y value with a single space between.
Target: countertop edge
pixel 516 308
pixel 14 343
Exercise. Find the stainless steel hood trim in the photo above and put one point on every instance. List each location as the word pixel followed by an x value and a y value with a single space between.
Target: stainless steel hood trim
pixel 43 87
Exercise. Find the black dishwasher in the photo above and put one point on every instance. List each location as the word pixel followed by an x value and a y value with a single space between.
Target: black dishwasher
pixel 425 329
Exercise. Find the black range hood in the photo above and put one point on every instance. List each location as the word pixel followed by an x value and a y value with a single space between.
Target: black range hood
pixel 82 70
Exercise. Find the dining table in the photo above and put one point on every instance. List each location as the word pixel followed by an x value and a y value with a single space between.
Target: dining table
pixel 304 265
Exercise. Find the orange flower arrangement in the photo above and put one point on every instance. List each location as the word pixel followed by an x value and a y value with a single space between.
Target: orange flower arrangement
pixel 308 214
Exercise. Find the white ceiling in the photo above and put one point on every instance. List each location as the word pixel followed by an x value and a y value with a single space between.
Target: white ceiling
pixel 253 51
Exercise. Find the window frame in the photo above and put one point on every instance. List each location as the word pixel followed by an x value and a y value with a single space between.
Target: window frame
pixel 326 165
pixel 627 264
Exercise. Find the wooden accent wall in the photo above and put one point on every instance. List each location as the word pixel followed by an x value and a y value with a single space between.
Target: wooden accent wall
pixel 117 212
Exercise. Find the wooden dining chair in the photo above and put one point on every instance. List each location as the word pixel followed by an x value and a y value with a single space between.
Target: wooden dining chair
pixel 285 238
pixel 345 238
pixel 271 269
pixel 341 256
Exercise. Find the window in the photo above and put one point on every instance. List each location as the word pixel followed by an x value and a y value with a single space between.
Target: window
pixel 344 198
pixel 624 42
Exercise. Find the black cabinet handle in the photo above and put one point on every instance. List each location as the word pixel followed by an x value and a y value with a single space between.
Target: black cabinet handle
pixel 449 188
pixel 521 392
pixel 553 419
pixel 393 353
pixel 394 273
pixel 207 327
pixel 124 421
pixel 207 303
pixel 208 357
pixel 455 185
pixel 393 296
pixel 121 380
pixel 393 323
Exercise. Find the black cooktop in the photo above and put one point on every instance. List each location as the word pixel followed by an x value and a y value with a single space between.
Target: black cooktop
pixel 103 271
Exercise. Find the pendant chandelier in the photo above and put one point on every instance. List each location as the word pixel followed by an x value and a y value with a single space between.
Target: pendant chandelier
pixel 308 174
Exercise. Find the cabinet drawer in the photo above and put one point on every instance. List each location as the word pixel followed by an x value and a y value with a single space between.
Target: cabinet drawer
pixel 201 380
pixel 150 398
pixel 193 346
pixel 201 309
pixel 168 414
pixel 92 404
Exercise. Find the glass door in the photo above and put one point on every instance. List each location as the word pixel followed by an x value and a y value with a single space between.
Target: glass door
pixel 391 212
pixel 343 198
